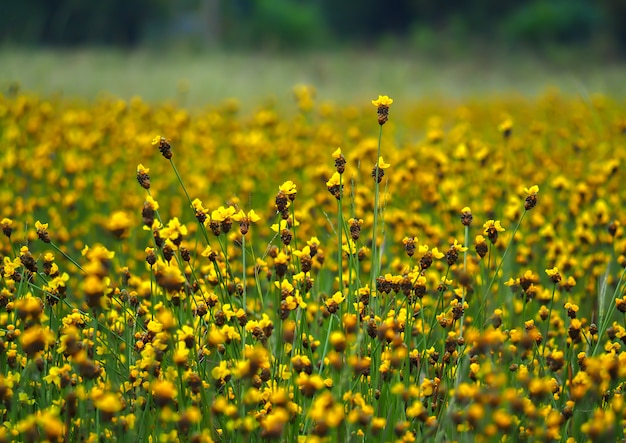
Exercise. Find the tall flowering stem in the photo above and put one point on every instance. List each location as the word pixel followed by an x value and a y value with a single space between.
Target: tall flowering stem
pixel 382 106
pixel 555 276
pixel 166 151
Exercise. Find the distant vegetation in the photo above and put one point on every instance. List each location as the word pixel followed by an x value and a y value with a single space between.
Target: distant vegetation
pixel 306 24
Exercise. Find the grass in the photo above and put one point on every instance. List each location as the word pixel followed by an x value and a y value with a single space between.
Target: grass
pixel 343 77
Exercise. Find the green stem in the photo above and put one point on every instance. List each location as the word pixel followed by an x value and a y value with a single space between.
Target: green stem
pixel 340 236
pixel 67 257
pixel 545 336
pixel 508 247
pixel 375 262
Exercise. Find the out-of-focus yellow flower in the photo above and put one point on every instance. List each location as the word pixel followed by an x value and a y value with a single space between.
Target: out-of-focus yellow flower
pixel 382 164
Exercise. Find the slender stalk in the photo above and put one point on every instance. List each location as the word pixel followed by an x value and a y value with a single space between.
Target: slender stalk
pixel 340 236
pixel 547 329
pixel 67 257
pixel 375 259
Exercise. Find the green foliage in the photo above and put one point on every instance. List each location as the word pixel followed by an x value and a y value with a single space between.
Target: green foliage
pixel 429 25
pixel 560 21
pixel 283 24
pixel 67 22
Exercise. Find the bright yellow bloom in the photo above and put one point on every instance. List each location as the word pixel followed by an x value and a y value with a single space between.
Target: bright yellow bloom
pixel 334 180
pixel 492 225
pixel 221 371
pixel 382 101
pixel 458 247
pixel 382 164
pixel 222 213
pixel 506 126
pixel 533 190
pixel 141 169
pixel 109 403
pixel 552 272
pixel 337 153
pixel 436 253
pixel 251 216
pixel 152 203
pixel 288 188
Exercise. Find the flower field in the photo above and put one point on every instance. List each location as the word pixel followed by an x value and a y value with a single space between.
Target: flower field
pixel 384 271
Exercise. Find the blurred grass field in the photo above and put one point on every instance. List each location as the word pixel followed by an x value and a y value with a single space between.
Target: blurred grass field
pixel 196 79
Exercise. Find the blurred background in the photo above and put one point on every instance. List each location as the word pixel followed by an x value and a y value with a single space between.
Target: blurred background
pixel 216 48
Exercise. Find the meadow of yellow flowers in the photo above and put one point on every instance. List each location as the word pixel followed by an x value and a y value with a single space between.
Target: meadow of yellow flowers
pixel 384 271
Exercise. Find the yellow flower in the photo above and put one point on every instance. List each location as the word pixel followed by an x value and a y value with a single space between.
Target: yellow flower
pixel 40 226
pixel 152 203
pixel 458 247
pixel 220 372
pixel 141 169
pixel 334 180
pixel 506 126
pixel 109 403
pixel 337 153
pixel 436 253
pixel 7 228
pixel 222 213
pixel 36 339
pixel 288 188
pixel 382 164
pixel 552 271
pixel 164 392
pixel 251 216
pixel 118 224
pixel 382 101
pixel 533 190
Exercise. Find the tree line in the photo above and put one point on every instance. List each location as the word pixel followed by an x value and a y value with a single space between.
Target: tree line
pixel 299 24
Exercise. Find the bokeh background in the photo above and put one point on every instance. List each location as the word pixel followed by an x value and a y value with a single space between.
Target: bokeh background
pixel 197 51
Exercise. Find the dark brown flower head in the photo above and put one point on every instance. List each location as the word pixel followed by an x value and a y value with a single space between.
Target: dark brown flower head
pixel 378 174
pixel 531 197
pixel 164 146
pixel 481 246
pixel 286 236
pixel 305 263
pixel 226 224
pixel 382 108
pixel 7 229
pixel 42 231
pixel 201 216
pixel 143 176
pixel 281 201
pixel 28 261
pixel 185 254
pixel 466 216
pixel 355 228
pixel 410 244
pixel 340 164
pixel 147 213
pixel 492 228
pixel 530 202
pixel 168 252
pixel 612 228
pixel 214 226
pixel 426 260
pixel 452 256
pixel 335 186
pixel 362 253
